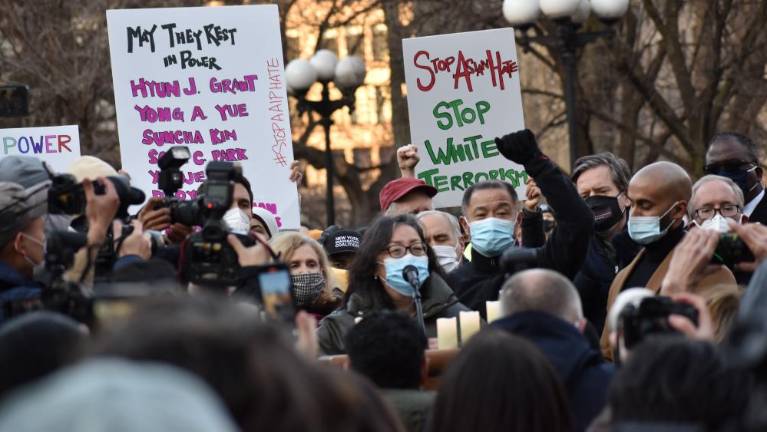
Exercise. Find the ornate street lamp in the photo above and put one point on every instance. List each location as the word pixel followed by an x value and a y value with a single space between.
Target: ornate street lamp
pixel 346 74
pixel 568 17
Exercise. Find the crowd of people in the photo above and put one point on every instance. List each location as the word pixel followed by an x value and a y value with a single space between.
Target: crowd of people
pixel 628 302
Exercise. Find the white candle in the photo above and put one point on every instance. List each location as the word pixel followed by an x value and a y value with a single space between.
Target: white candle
pixel 493 309
pixel 447 333
pixel 469 325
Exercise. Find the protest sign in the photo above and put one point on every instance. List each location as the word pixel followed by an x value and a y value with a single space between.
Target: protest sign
pixel 463 91
pixel 211 79
pixel 58 146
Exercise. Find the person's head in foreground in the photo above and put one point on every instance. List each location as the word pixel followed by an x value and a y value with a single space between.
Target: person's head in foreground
pixel 253 367
pixel 675 381
pixel 545 291
pixel 500 382
pixel 35 345
pixel 388 348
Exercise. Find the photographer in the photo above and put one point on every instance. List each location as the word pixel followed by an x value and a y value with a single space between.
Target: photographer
pixel 23 206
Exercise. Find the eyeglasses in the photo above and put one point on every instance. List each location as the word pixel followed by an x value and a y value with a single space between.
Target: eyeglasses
pixel 727 210
pixel 729 166
pixel 398 251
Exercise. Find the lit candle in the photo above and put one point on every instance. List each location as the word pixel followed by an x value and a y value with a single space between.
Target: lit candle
pixel 469 325
pixel 447 333
pixel 493 310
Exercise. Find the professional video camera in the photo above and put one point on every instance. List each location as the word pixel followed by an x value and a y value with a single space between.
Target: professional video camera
pixel 67 196
pixel 57 293
pixel 651 317
pixel 209 259
pixel 171 180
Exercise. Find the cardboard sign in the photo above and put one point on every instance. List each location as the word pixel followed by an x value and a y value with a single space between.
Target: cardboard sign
pixel 58 146
pixel 463 91
pixel 211 79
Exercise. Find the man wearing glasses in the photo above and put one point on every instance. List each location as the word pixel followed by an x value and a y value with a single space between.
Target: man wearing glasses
pixel 714 200
pixel 734 156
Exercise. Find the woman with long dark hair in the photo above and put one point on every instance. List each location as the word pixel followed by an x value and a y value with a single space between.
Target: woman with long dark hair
pixel 500 382
pixel 376 282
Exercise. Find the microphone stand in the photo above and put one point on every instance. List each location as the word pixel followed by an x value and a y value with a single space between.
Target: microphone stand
pixel 410 274
pixel 418 307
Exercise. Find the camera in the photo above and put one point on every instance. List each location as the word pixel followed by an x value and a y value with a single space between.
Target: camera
pixel 731 250
pixel 651 318
pixel 209 258
pixel 58 294
pixel 171 180
pixel 67 196
pixel 516 259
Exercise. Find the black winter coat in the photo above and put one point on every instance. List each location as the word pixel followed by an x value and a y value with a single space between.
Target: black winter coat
pixel 564 251
pixel 584 374
pixel 438 301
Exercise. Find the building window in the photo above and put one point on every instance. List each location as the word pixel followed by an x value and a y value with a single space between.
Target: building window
pixel 380 45
pixel 330 43
pixel 355 44
pixel 293 48
pixel 383 104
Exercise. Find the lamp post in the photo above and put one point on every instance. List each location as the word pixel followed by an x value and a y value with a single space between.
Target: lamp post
pixel 568 17
pixel 347 74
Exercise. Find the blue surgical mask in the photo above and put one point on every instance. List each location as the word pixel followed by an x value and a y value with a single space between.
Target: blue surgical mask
pixel 646 229
pixel 492 236
pixel 395 266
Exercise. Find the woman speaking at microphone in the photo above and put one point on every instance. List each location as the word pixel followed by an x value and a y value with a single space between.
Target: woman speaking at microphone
pixel 376 281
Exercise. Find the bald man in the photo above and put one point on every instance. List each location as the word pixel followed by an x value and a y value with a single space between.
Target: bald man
pixel 544 307
pixel 659 194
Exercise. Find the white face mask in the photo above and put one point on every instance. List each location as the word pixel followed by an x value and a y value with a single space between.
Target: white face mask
pixel 237 221
pixel 716 223
pixel 42 246
pixel 446 256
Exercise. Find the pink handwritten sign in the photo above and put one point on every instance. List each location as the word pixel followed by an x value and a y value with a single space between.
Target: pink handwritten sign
pixel 211 79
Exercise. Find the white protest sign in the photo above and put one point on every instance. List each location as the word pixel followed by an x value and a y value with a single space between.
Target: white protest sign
pixel 58 146
pixel 211 79
pixel 462 92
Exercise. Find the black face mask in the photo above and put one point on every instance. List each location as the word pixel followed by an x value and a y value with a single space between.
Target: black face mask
pixel 607 211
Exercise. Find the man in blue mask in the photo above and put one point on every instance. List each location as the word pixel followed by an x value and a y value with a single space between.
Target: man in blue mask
pixel 734 156
pixel 490 209
pixel 658 196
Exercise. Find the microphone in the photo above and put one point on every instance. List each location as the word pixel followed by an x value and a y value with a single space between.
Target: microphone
pixel 410 274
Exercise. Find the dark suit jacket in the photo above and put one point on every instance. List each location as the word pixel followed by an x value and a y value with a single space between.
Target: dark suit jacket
pixel 760 212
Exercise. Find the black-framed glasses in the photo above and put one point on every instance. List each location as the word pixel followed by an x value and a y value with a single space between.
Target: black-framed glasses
pixel 727 210
pixel 398 251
